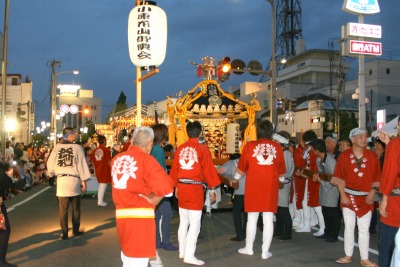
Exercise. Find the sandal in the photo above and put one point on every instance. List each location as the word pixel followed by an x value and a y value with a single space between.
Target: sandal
pixel 370 264
pixel 344 260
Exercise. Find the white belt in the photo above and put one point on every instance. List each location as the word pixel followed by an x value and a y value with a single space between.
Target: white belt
pixel 140 213
pixel 354 192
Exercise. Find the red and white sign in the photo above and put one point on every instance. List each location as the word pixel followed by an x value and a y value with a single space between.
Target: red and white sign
pixel 366 48
pixel 364 30
pixel 380 118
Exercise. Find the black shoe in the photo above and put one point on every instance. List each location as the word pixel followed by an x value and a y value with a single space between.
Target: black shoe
pixel 284 238
pixel 331 239
pixel 78 233
pixel 237 239
pixel 276 235
pixel 322 237
pixel 170 247
pixel 64 236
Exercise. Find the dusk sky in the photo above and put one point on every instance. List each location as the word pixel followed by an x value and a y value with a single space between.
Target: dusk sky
pixel 91 36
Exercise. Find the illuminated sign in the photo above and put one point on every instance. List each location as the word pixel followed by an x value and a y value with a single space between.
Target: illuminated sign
pixel 366 7
pixel 64 108
pixel 364 30
pixel 69 89
pixel 73 109
pixel 317 119
pixel 365 48
pixel 380 118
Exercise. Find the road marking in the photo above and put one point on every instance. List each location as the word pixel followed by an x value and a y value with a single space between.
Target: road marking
pixel 27 199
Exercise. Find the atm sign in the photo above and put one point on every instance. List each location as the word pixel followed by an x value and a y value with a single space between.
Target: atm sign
pixel 366 48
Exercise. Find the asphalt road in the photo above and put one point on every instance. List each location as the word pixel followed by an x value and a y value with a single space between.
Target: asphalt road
pixel 35 239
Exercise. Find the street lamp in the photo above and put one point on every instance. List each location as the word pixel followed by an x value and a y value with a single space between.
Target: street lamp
pixel 54 76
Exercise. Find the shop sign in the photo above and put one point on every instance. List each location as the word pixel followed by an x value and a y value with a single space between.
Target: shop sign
pixel 364 30
pixel 365 48
pixel 366 7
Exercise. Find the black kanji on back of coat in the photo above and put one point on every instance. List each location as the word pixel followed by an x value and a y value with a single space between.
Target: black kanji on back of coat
pixel 65 157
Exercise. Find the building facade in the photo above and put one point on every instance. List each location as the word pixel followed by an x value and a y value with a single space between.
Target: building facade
pixel 71 108
pixel 323 72
pixel 19 95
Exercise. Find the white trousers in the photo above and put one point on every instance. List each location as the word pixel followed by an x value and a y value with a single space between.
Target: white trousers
pixel 251 229
pixel 188 231
pixel 396 252
pixel 350 219
pixel 100 193
pixel 133 262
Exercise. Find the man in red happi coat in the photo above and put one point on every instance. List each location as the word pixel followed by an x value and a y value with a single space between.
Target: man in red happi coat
pixel 139 183
pixel 310 187
pixel 101 159
pixel 299 186
pixel 263 163
pixel 390 204
pixel 192 170
pixel 357 175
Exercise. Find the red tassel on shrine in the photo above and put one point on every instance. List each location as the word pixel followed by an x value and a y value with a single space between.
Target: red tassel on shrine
pixel 199 71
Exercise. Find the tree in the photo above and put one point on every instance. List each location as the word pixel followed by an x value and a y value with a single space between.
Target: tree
pixel 91 128
pixel 119 106
pixel 347 123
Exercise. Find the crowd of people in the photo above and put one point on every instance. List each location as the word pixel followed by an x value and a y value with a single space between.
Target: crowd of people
pixel 29 164
pixel 329 183
pixel 314 182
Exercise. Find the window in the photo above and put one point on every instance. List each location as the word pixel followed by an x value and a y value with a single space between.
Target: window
pixel 370 72
pixel 388 71
pixel 388 98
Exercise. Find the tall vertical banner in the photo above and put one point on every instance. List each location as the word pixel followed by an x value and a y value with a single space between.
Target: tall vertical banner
pixel 147 35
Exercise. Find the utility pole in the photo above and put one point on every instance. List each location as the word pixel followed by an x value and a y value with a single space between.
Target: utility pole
pixel 28 132
pixel 53 99
pixel 4 80
pixel 272 95
pixel 361 83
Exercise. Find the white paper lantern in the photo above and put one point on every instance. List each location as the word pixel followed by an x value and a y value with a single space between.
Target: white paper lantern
pixel 147 35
